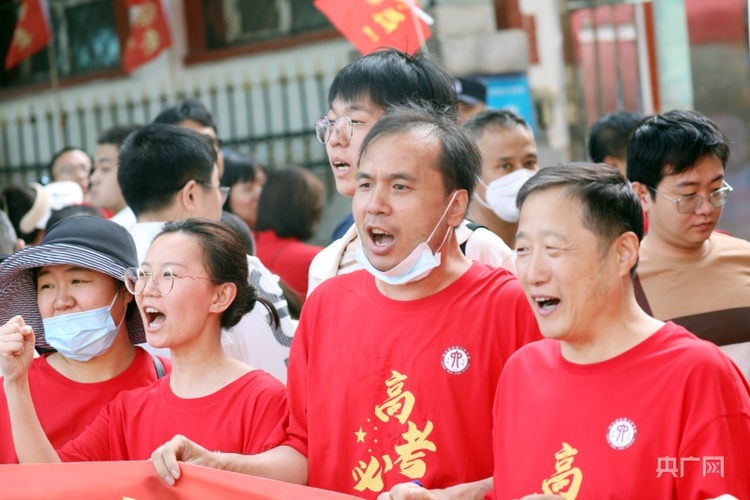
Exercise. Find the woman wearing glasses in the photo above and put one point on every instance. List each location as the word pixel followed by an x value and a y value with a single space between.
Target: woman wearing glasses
pixel 192 283
pixel 67 295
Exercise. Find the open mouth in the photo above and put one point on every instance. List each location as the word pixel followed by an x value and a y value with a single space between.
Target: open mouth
pixel 546 303
pixel 380 238
pixel 341 166
pixel 154 317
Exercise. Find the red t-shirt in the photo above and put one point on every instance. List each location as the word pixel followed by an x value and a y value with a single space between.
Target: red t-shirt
pixel 65 407
pixel 247 416
pixel 287 257
pixel 383 391
pixel 669 418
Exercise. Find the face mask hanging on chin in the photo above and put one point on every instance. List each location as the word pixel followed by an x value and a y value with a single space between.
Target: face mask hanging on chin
pixel 501 194
pixel 416 266
pixel 83 335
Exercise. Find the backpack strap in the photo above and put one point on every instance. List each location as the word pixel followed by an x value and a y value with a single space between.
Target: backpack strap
pixel 158 365
pixel 640 296
pixel 473 226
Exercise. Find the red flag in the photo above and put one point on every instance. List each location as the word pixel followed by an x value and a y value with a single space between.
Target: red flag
pixel 373 24
pixel 149 33
pixel 32 32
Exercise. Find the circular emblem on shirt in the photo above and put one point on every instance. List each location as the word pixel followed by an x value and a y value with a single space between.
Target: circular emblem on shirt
pixel 621 433
pixel 456 360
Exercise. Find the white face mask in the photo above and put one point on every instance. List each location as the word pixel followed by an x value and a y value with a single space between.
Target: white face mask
pixel 83 335
pixel 416 266
pixel 501 194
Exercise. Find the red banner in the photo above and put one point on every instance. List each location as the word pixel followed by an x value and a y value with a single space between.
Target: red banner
pixel 149 33
pixel 32 32
pixel 138 481
pixel 374 24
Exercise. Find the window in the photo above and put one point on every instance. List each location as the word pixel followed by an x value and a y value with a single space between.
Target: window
pixel 219 28
pixel 86 42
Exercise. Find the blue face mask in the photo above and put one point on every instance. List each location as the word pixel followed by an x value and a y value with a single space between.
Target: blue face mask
pixel 83 335
pixel 416 266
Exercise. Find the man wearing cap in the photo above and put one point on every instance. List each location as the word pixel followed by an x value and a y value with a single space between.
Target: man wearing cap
pixel 472 98
pixel 69 291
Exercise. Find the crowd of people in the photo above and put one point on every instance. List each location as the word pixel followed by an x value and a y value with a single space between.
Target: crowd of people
pixel 479 327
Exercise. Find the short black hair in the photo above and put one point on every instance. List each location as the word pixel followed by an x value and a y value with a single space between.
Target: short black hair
pixel 61 152
pixel 187 109
pixel 610 207
pixel 391 77
pixel 503 118
pixel 459 162
pixel 610 134
pixel 672 143
pixel 117 134
pixel 291 203
pixel 158 160
pixel 238 167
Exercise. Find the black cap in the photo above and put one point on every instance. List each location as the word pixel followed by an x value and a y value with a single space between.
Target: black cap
pixel 471 91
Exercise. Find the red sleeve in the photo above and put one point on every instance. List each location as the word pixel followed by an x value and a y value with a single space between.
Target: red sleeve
pixel 271 417
pixel 93 444
pixel 716 452
pixel 296 384
pixel 717 461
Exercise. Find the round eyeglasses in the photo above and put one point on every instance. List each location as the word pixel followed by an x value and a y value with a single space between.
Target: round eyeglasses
pixel 691 203
pixel 343 126
pixel 162 278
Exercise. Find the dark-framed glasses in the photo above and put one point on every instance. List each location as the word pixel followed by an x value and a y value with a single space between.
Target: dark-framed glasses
pixel 223 190
pixel 342 125
pixel 692 202
pixel 162 278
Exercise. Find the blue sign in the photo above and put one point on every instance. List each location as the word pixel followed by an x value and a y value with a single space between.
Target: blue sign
pixel 511 91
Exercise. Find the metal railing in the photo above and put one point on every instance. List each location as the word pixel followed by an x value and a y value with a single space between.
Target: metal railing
pixel 270 119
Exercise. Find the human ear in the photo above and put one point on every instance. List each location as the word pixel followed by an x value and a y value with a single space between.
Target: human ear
pixel 458 207
pixel 627 246
pixel 187 196
pixel 641 190
pixel 224 295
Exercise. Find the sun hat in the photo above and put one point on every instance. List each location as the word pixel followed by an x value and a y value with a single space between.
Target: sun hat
pixel 84 241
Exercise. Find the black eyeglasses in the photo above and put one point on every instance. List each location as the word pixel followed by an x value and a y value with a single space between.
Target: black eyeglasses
pixel 691 203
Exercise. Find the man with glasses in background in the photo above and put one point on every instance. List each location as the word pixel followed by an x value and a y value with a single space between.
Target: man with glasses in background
pixel 359 96
pixel 169 173
pixel 690 273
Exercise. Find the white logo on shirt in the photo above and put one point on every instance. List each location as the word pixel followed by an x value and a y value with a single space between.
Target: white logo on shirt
pixel 621 433
pixel 456 360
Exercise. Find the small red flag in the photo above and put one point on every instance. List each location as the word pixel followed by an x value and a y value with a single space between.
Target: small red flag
pixel 32 32
pixel 149 33
pixel 374 24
